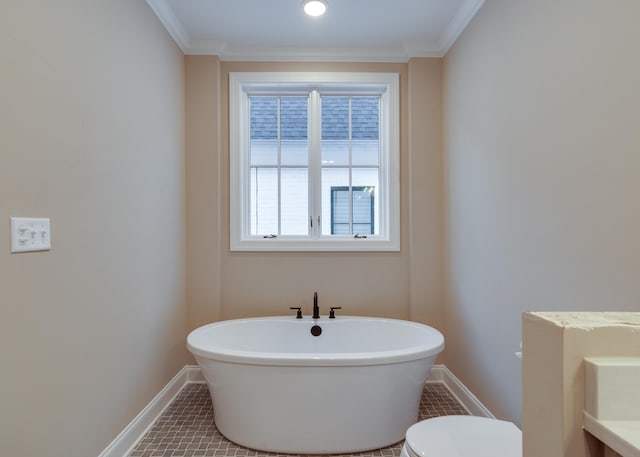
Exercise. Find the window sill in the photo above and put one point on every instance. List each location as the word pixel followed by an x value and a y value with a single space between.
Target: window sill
pixel 348 244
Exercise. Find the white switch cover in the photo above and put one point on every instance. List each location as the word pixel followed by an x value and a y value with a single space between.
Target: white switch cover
pixel 30 234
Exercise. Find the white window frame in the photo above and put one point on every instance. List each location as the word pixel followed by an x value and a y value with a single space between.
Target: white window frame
pixel 241 86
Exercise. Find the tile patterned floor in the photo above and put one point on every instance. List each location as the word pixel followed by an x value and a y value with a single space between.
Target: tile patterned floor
pixel 186 428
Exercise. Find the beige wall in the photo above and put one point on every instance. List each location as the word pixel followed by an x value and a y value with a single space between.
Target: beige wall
pixel 224 284
pixel 92 136
pixel 426 200
pixel 542 109
pixel 204 189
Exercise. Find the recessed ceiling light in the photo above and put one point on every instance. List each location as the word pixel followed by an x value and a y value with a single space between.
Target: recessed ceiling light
pixel 315 7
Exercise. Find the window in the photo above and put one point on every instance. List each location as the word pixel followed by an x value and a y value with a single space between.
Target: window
pixel 314 161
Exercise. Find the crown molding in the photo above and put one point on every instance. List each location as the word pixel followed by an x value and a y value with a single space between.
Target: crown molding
pixel 204 47
pixel 457 25
pixel 226 52
pixel 426 49
pixel 168 18
pixel 314 55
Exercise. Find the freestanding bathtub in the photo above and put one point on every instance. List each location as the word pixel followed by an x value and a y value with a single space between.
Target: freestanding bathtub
pixel 278 388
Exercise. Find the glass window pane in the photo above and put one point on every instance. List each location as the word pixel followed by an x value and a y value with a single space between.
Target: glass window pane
pixel 362 209
pixel 295 201
pixel 263 130
pixel 365 152
pixel 331 177
pixel 367 179
pixel 293 130
pixel 365 126
pixel 363 220
pixel 264 201
pixel 340 221
pixel 365 114
pixel 340 218
pixel 352 210
pixel 361 229
pixel 335 130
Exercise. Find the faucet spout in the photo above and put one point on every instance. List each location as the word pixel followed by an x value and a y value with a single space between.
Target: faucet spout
pixel 316 309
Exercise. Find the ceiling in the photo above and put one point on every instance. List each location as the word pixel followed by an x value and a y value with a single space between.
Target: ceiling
pixel 351 30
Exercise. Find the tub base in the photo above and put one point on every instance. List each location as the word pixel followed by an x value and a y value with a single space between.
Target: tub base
pixel 315 410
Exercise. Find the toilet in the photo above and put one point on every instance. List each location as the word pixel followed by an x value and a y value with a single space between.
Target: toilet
pixel 462 436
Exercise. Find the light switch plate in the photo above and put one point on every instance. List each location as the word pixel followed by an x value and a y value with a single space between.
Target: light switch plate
pixel 30 234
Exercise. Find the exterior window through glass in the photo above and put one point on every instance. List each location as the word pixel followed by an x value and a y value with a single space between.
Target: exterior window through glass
pixel 355 215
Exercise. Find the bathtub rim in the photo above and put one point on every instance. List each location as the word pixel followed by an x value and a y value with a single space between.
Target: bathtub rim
pixel 312 359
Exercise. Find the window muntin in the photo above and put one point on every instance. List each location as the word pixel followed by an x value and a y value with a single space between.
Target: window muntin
pixel 294 137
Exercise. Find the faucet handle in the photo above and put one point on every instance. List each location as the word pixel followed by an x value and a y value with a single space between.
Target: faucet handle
pixel 299 312
pixel 332 313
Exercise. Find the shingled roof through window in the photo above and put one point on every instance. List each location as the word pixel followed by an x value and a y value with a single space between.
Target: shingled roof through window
pixel 335 113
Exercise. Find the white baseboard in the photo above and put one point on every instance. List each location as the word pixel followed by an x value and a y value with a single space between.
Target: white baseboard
pixel 440 373
pixel 194 374
pixel 123 444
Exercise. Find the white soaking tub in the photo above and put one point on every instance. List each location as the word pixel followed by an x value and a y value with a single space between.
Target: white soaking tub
pixel 278 388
